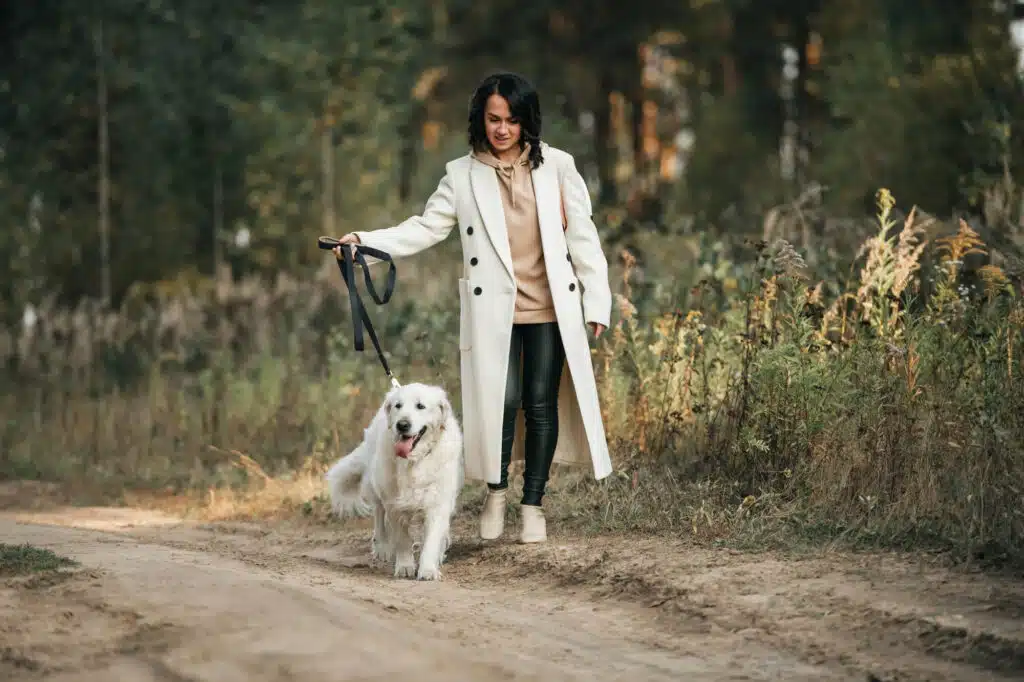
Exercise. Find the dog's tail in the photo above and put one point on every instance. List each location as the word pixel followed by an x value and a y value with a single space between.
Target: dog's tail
pixel 345 484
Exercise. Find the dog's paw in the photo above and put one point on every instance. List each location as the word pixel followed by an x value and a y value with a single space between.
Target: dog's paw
pixel 382 552
pixel 403 570
pixel 429 573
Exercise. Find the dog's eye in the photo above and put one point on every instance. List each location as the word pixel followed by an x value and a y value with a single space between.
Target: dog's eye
pixel 398 406
pixel 419 406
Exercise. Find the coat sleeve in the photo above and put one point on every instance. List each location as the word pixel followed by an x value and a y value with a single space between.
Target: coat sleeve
pixel 420 232
pixel 581 236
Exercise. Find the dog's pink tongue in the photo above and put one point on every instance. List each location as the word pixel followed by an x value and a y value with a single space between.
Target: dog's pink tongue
pixel 403 446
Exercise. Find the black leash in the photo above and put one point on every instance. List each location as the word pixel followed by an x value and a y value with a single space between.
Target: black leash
pixel 360 317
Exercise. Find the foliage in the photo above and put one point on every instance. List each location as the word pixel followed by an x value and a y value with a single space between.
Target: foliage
pixel 22 559
pixel 876 415
pixel 779 362
pixel 238 133
pixel 902 422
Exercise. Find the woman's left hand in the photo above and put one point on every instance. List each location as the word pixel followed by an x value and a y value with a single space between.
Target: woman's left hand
pixel 597 328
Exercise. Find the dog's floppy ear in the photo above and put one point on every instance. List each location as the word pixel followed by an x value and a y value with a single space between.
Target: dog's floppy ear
pixel 446 410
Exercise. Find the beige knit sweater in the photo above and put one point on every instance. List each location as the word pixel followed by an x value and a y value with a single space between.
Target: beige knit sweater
pixel 533 301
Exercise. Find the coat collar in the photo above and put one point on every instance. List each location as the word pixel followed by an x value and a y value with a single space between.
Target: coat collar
pixel 487 193
pixel 549 197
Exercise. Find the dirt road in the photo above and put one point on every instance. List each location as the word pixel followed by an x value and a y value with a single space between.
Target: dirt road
pixel 159 599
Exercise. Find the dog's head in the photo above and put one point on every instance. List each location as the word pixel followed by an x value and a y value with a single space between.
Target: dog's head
pixel 417 416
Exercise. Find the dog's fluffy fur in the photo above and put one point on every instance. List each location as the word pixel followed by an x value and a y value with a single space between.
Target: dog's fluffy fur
pixel 408 465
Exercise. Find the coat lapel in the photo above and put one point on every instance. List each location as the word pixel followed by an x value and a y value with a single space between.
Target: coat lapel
pixel 487 194
pixel 545 189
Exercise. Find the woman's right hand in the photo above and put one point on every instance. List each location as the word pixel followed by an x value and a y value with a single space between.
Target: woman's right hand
pixel 345 239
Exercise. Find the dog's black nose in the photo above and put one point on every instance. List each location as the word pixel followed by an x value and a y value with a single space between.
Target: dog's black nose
pixel 403 426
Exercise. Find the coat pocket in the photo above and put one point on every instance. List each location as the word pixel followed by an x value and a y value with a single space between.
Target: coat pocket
pixel 465 321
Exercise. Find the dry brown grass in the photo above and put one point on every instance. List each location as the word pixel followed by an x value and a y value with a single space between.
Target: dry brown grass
pixel 747 401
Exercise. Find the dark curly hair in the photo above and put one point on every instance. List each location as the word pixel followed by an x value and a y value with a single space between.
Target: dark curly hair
pixel 523 102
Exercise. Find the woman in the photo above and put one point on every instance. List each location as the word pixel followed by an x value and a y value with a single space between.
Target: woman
pixel 534 278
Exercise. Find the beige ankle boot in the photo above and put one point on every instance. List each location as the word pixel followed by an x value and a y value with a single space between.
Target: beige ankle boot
pixel 492 518
pixel 534 526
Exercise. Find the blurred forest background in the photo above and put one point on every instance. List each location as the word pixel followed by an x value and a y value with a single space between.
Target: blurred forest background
pixel 815 353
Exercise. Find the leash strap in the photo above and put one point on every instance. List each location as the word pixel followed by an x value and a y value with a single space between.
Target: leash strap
pixel 360 317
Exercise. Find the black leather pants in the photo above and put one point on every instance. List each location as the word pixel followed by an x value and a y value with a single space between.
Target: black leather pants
pixel 535 359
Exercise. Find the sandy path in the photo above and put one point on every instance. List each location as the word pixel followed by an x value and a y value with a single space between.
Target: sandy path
pixel 158 599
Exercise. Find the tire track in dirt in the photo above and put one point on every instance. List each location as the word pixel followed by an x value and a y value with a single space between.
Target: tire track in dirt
pixel 896 619
pixel 282 616
pixel 618 608
pixel 881 616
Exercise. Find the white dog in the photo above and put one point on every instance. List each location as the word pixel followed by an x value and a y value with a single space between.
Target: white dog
pixel 408 466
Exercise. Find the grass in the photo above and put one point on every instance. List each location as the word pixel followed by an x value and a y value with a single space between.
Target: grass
pixel 749 397
pixel 18 560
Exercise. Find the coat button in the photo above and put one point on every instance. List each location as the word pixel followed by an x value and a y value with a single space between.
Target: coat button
pixel 469 230
pixel 473 261
pixel 572 286
pixel 478 291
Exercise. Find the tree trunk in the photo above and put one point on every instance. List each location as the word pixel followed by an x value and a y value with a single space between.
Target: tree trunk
pixel 410 133
pixel 604 143
pixel 801 99
pixel 327 169
pixel 637 96
pixel 218 217
pixel 412 130
pixel 104 162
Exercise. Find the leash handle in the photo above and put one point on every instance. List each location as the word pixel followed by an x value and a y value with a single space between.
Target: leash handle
pixel 327 243
pixel 358 255
pixel 360 318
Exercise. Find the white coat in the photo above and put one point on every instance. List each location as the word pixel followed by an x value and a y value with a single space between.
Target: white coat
pixel 468 196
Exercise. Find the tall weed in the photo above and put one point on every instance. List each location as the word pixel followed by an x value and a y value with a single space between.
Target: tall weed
pixel 744 397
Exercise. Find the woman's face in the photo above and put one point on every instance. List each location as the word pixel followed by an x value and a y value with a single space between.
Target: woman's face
pixel 502 129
